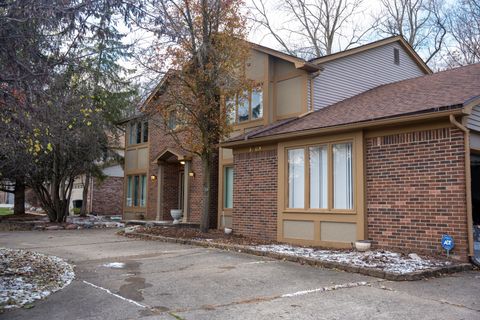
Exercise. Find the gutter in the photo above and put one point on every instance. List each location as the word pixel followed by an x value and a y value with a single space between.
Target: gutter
pixel 468 183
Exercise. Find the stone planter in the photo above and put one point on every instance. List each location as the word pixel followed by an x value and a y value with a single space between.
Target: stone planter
pixel 176 215
pixel 363 245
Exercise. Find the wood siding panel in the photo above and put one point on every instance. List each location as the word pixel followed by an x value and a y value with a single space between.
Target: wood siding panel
pixel 349 76
pixel 473 120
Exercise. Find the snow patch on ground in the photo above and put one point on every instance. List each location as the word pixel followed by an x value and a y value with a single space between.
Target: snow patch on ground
pixel 26 276
pixel 378 259
pixel 114 265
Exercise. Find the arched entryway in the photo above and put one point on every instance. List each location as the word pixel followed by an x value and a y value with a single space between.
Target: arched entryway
pixel 173 183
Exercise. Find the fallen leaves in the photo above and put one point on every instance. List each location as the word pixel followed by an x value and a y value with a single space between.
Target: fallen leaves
pixel 26 276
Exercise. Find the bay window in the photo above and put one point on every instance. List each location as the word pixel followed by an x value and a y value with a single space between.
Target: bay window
pixel 325 182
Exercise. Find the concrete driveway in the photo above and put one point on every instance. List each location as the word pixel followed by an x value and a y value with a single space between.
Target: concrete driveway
pixel 171 281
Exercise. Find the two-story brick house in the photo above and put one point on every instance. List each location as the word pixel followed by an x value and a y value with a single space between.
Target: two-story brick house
pixel 362 144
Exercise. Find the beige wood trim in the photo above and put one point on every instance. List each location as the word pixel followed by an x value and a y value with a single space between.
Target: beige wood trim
pixel 221 211
pixel 298 62
pixel 159 192
pixel 305 94
pixel 289 76
pixel 266 90
pixel 357 215
pixel 248 124
pixel 347 127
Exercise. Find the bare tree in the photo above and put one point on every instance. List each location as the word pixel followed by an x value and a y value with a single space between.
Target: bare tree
pixel 464 23
pixel 421 22
pixel 320 26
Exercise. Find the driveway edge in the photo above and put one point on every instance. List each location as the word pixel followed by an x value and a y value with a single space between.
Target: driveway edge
pixel 414 276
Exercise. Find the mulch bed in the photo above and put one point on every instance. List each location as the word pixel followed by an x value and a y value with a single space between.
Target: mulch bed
pixel 213 235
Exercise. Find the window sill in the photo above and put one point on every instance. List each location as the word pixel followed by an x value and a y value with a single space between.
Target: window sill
pixel 321 211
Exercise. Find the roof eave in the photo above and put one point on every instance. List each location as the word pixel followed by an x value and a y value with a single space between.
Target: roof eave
pixel 346 127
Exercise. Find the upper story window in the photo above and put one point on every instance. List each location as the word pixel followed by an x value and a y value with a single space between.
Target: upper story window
pixel 138 132
pixel 246 106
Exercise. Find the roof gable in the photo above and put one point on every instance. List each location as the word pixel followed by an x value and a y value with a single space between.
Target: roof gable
pixel 346 53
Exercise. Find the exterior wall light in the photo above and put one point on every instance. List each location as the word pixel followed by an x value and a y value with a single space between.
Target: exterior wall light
pixel 182 162
pixel 191 174
pixel 153 177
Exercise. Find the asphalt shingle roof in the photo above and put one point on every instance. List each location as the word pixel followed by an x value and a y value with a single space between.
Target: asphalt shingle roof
pixel 432 92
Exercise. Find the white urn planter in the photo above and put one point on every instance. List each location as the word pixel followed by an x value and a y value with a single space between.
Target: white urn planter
pixel 228 231
pixel 176 215
pixel 363 245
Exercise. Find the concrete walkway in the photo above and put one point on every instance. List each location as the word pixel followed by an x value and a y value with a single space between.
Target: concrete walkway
pixel 170 281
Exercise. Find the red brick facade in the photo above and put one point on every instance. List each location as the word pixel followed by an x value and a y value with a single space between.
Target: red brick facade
pixel 158 142
pixel 107 196
pixel 255 195
pixel 416 190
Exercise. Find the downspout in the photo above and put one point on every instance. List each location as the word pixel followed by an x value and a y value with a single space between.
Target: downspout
pixel 468 184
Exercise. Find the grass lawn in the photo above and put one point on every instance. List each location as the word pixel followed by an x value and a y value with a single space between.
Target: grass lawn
pixel 5 211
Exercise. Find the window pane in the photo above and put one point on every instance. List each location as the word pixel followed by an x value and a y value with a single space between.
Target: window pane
pixel 230 106
pixel 129 191
pixel 243 107
pixel 296 178
pixel 139 133
pixel 172 120
pixel 318 177
pixel 228 188
pixel 342 176
pixel 135 190
pixel 131 133
pixel 257 103
pixel 143 191
pixel 145 132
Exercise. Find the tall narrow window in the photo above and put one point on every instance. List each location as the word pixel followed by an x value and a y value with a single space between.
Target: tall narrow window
pixel 143 190
pixel 296 178
pixel 257 103
pixel 243 107
pixel 318 177
pixel 145 131
pixel 131 133
pixel 129 191
pixel 228 188
pixel 139 133
pixel 342 176
pixel 135 190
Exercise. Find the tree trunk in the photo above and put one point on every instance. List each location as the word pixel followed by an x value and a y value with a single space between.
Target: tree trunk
pixel 83 210
pixel 205 219
pixel 19 199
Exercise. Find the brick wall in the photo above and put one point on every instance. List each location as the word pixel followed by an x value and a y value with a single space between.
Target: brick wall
pixel 416 190
pixel 159 141
pixel 107 196
pixel 255 195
